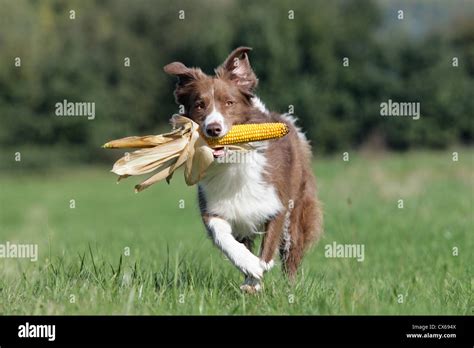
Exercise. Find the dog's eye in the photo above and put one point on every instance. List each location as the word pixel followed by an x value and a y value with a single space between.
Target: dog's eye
pixel 200 105
pixel 229 103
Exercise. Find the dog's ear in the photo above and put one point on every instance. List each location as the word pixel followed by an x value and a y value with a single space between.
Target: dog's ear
pixel 185 77
pixel 237 68
pixel 182 72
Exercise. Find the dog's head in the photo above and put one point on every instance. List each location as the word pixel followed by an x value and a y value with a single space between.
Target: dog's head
pixel 216 102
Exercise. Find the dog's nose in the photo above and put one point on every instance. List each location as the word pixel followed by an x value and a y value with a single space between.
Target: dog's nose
pixel 214 129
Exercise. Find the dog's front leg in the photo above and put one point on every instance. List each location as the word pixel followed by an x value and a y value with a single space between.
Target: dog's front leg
pixel 221 233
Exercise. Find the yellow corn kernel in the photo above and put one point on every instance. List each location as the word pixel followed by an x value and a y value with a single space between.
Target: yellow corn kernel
pixel 244 133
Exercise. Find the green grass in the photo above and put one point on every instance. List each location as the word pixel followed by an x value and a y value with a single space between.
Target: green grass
pixel 173 268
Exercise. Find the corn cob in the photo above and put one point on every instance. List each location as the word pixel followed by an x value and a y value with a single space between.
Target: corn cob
pixel 244 133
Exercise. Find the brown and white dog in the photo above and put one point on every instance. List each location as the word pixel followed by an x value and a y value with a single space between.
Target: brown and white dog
pixel 273 193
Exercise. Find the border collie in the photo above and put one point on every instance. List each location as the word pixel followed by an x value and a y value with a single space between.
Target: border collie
pixel 272 194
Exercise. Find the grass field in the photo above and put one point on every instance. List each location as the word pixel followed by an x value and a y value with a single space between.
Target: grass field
pixel 173 268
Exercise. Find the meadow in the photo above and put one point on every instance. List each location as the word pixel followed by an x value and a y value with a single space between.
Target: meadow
pixel 111 251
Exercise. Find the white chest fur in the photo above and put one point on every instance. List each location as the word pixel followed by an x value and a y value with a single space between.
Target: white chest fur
pixel 238 193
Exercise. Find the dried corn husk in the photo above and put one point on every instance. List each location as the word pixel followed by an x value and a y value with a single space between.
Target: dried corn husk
pixel 165 153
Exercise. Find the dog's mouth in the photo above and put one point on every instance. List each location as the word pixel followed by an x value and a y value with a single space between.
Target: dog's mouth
pixel 218 152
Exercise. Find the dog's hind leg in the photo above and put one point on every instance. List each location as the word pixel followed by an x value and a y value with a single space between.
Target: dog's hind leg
pixel 303 227
pixel 271 239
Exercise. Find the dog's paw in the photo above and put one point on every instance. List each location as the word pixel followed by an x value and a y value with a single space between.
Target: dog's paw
pixel 251 286
pixel 249 289
pixel 267 265
pixel 254 269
